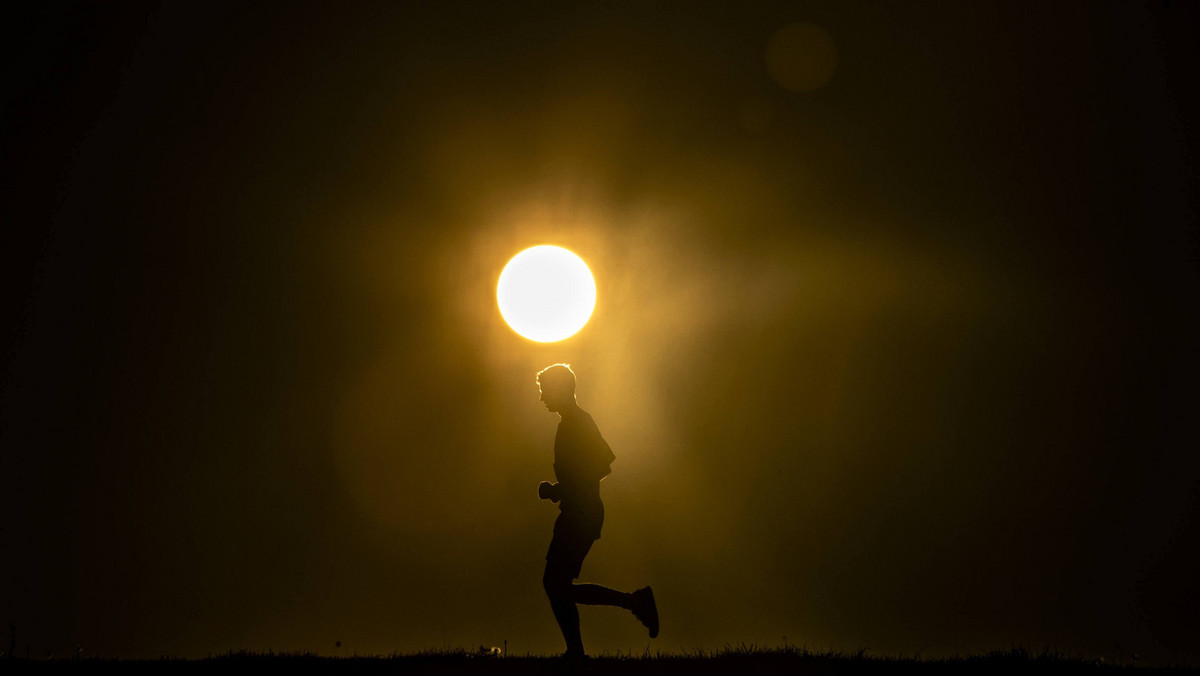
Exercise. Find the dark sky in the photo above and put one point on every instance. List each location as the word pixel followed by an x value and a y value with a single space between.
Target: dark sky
pixel 906 362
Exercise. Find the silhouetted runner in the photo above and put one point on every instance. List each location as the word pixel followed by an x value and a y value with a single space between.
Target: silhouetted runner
pixel 581 459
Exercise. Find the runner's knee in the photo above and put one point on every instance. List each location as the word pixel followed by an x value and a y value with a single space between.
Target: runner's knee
pixel 555 584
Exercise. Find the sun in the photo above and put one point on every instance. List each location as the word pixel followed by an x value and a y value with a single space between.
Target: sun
pixel 546 293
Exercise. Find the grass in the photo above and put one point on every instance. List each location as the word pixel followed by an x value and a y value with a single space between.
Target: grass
pixel 740 660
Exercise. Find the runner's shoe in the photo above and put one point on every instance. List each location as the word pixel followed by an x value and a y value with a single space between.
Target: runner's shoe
pixel 645 609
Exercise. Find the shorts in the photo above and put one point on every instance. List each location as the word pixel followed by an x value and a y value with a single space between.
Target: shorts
pixel 573 538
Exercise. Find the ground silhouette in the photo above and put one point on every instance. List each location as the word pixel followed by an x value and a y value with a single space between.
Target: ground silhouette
pixel 744 661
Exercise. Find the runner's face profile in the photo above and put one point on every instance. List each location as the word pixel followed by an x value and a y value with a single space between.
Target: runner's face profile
pixel 552 399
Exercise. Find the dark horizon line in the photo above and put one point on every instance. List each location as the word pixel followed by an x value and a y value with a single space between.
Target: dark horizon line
pixel 439 660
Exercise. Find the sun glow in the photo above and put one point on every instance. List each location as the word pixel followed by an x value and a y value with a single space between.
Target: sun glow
pixel 546 293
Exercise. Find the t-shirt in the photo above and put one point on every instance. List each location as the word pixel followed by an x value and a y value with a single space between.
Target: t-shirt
pixel 581 459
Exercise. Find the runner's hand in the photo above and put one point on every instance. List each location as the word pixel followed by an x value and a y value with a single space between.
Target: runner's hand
pixel 548 491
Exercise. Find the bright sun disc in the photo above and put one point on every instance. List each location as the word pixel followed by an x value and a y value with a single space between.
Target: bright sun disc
pixel 546 293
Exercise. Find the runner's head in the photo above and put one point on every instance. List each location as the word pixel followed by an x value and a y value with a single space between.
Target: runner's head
pixel 557 383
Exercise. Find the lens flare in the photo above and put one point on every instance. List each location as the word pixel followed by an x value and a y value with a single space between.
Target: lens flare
pixel 546 293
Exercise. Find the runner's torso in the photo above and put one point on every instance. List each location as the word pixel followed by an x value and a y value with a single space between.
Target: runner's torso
pixel 581 459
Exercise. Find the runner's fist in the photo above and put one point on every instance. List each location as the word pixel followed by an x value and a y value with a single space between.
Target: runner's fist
pixel 548 491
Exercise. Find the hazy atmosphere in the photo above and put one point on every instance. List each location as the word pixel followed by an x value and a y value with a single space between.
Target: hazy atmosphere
pixel 895 339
